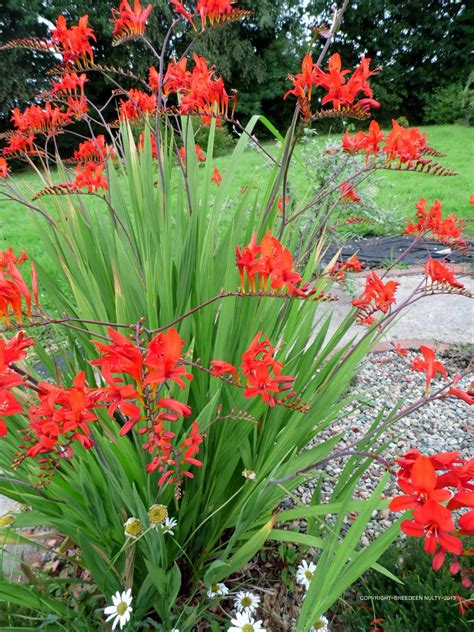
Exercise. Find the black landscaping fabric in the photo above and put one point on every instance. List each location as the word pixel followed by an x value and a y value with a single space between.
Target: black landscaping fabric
pixel 375 252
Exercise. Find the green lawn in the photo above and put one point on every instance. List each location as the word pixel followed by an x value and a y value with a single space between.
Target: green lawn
pixel 393 191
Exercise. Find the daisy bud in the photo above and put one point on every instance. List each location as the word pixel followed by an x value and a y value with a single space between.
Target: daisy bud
pixel 133 528
pixel 157 514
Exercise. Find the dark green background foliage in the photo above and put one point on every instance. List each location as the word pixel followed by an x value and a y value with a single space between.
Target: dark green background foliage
pixel 423 46
pixel 407 561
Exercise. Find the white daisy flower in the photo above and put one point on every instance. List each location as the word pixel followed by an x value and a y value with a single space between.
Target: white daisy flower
pixel 320 626
pixel 121 608
pixel 304 573
pixel 168 525
pixel 246 602
pixel 244 622
pixel 250 474
pixel 217 590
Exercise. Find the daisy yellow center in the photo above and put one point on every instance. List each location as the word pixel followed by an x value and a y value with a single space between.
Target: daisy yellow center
pixel 246 602
pixel 248 627
pixel 214 588
pixel 308 574
pixel 157 514
pixel 319 624
pixel 122 608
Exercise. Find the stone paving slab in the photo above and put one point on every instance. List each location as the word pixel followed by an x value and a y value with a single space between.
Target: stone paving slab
pixel 447 320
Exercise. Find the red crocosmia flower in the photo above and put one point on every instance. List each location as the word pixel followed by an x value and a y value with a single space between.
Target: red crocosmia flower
pixel 447 230
pixel 220 367
pixel 471 199
pixel 94 149
pixel 269 261
pixel 35 119
pixel 428 364
pixel 280 203
pixel 401 351
pixel 163 359
pixel 122 356
pixel 14 349
pixel 420 488
pixel 154 79
pixel 120 396
pixel 404 144
pixel 353 144
pixel 4 168
pixel 348 193
pixel 62 416
pixel 466 523
pixel 353 264
pixel 200 91
pixel 74 43
pixel 213 10
pixel 190 448
pixel 467 396
pixel 13 289
pixel 342 92
pixel 439 273
pixel 69 83
pixel 461 499
pixel 303 84
pixel 141 144
pixel 377 295
pixel 130 23
pixel 373 139
pixel 434 522
pixel 216 177
pixel 89 175
pixel 19 143
pixel 199 154
pixel 138 105
pixel 8 406
pixel 245 260
pixel 261 371
pixel 179 8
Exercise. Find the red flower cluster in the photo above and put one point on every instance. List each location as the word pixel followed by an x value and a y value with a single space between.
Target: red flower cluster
pixel 377 295
pixel 338 271
pixel 200 91
pixel 19 143
pixel 269 261
pixel 61 417
pixel 141 144
pixel 404 144
pixel 35 119
pixel 199 155
pixel 11 351
pixel 89 175
pixel 401 143
pixel 428 364
pixel 213 10
pixel 216 177
pixel 341 92
pixel 348 193
pixel 129 23
pixel 70 83
pixel 426 482
pixel 95 149
pixel 438 272
pixel 162 363
pixel 447 230
pixel 261 371
pixel 13 289
pixel 4 169
pixel 74 43
pixel 138 104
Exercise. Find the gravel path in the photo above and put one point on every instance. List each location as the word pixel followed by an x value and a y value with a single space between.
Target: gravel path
pixel 439 426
